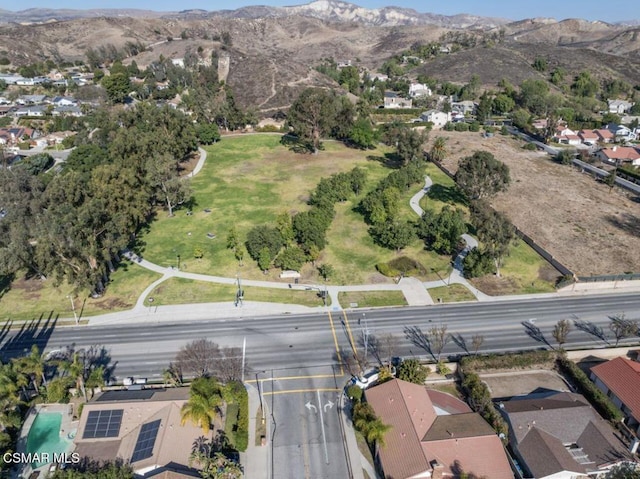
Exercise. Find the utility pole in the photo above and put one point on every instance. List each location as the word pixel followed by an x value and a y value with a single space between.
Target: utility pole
pixel 178 262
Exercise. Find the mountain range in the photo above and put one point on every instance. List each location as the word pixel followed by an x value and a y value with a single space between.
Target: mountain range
pixel 326 10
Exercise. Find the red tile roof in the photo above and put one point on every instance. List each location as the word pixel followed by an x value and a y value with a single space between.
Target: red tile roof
pixel 591 135
pixel 621 153
pixel 604 134
pixel 418 438
pixel 622 377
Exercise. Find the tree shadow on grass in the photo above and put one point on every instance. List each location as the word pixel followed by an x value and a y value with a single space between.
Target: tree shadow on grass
pixel 5 284
pixel 390 160
pixel 447 194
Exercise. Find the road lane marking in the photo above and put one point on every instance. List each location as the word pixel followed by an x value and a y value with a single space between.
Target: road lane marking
pixel 293 378
pixel 353 343
pixel 297 391
pixel 324 435
pixel 335 341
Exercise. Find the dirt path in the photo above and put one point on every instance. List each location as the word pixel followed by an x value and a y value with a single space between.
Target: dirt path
pixel 589 228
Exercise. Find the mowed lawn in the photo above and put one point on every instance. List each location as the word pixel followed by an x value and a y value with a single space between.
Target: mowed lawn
pixel 248 181
pixel 28 299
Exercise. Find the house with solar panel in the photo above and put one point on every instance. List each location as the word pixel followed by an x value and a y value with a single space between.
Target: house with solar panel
pixel 140 427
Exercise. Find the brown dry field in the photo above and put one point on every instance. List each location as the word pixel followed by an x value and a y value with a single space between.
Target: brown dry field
pixel 583 224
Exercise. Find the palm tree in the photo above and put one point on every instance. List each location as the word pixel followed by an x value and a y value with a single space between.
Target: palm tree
pixel 201 410
pixel 95 379
pixel 32 366
pixel 9 398
pixel 76 370
pixel 438 150
pixel 375 432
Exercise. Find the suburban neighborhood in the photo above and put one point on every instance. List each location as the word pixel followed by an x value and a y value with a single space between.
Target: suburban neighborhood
pixel 318 241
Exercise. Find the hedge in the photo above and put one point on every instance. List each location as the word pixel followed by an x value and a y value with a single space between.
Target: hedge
pixel 599 400
pixel 507 361
pixel 237 428
pixel 479 399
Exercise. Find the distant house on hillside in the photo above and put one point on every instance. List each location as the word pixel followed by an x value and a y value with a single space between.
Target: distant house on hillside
pixel 393 100
pixel 419 89
pixel 437 117
pixel 619 107
pixel 566 136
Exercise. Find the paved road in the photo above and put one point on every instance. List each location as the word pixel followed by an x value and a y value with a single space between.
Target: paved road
pixel 307 436
pixel 307 340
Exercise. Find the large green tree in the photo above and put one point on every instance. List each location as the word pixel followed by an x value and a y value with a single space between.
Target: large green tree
pixel 312 117
pixel 495 232
pixel 481 175
pixel 441 231
pixel 117 86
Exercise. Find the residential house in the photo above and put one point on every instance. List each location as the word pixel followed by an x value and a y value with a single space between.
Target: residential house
pixel 393 100
pixel 566 136
pixel 540 123
pixel 619 155
pixel 419 89
pixel 433 434
pixel 378 76
pixel 10 79
pixel 437 117
pixel 465 107
pixel 64 101
pixel 31 81
pixel 32 110
pixel 619 107
pixel 12 136
pixel 141 427
pixel 588 137
pixel 67 111
pixel 605 135
pixel 558 435
pixel 619 379
pixel 623 133
pixel 31 99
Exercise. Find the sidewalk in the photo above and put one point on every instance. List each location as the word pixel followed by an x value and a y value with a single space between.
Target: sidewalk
pixel 256 459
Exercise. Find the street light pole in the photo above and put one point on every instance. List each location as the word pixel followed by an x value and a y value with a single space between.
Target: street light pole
pixel 178 262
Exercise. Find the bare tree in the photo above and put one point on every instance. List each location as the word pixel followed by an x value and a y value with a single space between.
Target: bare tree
pixel 438 339
pixel 198 358
pixel 477 340
pixel 622 328
pixel 229 367
pixel 388 346
pixel 560 331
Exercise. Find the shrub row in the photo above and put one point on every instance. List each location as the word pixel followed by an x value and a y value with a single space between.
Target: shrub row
pixel 240 433
pixel 596 397
pixel 507 361
pixel 479 398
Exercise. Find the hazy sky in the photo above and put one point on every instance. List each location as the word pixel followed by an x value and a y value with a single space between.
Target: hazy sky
pixel 610 10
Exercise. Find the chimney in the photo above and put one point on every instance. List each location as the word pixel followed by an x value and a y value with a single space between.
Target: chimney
pixel 615 148
pixel 438 470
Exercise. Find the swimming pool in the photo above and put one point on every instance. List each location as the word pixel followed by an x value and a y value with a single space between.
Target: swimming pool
pixel 44 436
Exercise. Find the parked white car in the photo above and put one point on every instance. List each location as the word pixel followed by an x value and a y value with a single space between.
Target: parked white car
pixel 367 379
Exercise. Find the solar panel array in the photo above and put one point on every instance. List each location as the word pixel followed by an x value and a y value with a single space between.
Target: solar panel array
pixel 103 424
pixel 146 441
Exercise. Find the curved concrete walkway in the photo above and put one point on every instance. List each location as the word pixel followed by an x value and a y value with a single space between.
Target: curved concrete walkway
pixel 456 276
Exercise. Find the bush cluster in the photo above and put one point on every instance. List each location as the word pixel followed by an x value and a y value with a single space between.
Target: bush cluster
pixel 238 396
pixel 507 361
pixel 479 399
pixel 596 397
